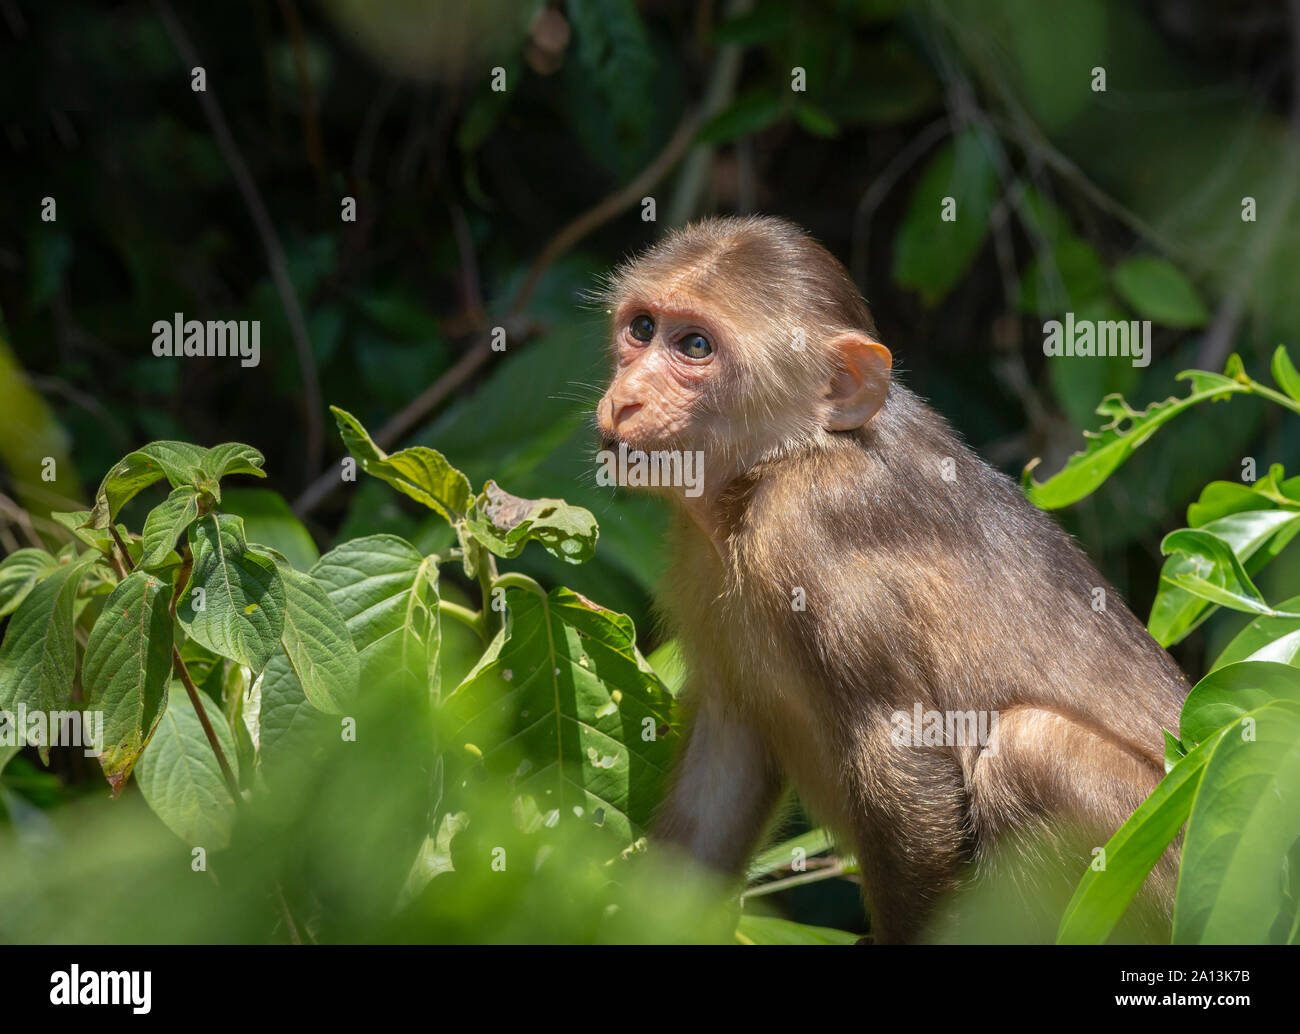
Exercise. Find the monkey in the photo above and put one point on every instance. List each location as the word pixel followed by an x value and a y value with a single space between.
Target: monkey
pixel 849 560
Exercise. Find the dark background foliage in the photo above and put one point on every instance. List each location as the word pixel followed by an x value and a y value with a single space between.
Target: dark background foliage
pixel 226 205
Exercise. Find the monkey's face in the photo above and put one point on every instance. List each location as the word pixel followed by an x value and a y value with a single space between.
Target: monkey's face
pixel 670 363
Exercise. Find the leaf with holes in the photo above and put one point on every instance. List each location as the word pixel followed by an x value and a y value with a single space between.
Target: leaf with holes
pixel 564 704
pixel 506 523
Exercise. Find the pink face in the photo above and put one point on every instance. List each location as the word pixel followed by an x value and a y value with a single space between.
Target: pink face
pixel 668 355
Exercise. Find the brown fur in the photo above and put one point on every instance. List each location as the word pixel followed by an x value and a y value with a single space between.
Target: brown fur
pixel 956 594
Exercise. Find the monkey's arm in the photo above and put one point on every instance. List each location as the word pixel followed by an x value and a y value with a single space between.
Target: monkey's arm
pixel 725 788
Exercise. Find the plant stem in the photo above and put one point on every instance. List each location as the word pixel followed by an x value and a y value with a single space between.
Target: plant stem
pixel 183 673
pixel 470 618
pixel 515 580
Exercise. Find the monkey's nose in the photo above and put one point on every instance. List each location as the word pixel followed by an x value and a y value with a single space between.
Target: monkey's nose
pixel 625 412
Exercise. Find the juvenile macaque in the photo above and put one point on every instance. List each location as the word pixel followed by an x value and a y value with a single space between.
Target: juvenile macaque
pixel 849 561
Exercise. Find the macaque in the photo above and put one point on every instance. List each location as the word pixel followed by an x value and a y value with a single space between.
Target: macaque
pixel 850 564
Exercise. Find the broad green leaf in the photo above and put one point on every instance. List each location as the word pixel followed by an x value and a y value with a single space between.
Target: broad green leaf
pixel 318 644
pixel 930 253
pixel 1226 694
pixel 505 524
pixel 564 704
pixel 1252 536
pixel 1266 639
pixel 1159 291
pixel 752 929
pixel 1214 572
pixel 288 724
pixel 126 669
pixel 1117 440
pixel 421 473
pixel 1245 821
pixel 1224 498
pixel 1102 897
pixel 179 462
pixel 1285 373
pixel 269 520
pixel 242 613
pixel 1175 750
pixel 19 572
pixel 179 775
pixel 166 523
pixel 38 656
pixel 387 595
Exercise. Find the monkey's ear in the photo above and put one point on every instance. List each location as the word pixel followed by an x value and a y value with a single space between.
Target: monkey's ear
pixel 860 382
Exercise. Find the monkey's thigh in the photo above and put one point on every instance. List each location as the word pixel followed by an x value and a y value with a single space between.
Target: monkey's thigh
pixel 1047 791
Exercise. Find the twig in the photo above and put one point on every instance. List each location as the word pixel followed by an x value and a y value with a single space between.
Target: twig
pixel 266 232
pixel 22 518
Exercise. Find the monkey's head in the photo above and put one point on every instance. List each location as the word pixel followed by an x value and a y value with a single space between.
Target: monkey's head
pixel 741 338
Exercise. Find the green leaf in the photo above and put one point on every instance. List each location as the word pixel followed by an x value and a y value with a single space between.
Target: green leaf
pixel 126 669
pixel 38 656
pixel 421 473
pixel 1175 750
pixel 930 254
pixel 1252 536
pixel 318 644
pixel 1160 292
pixel 1102 896
pixel 166 523
pixel 1266 639
pixel 1245 821
pixel 180 778
pixel 1285 373
pixel 1117 440
pixel 505 524
pixel 1214 572
pixel 752 929
pixel 232 458
pixel 564 704
pixel 1221 698
pixel 19 573
pixel 179 462
pixel 387 595
pixel 242 613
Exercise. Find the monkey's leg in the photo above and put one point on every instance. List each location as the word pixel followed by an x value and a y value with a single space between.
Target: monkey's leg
pixel 726 786
pixel 911 834
pixel 1052 789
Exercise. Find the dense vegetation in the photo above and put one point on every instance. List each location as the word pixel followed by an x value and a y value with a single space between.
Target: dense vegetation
pixel 382 767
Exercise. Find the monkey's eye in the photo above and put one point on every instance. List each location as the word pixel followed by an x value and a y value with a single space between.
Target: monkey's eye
pixel 643 328
pixel 695 346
